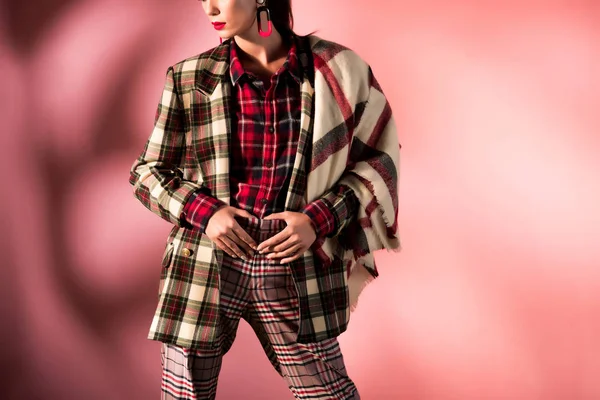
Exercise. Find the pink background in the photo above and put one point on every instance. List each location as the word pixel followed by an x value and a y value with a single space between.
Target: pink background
pixel 496 293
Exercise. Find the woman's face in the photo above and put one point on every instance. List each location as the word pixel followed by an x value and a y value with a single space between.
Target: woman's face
pixel 235 17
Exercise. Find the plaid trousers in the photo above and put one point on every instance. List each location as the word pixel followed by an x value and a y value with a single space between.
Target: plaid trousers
pixel 263 292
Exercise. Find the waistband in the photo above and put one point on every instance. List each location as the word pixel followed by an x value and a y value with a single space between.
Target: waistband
pixel 261 229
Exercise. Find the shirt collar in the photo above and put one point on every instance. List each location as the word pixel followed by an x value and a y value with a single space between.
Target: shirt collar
pixel 291 64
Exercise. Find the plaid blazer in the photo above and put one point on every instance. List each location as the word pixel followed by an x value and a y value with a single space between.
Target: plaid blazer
pixel 188 150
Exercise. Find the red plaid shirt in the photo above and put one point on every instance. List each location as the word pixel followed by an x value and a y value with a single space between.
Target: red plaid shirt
pixel 264 148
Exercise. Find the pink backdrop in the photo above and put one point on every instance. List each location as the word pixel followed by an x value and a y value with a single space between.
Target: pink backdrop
pixel 496 293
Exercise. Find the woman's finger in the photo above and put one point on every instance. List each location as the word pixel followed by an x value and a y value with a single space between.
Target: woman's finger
pixel 294 257
pixel 275 240
pixel 293 240
pixel 223 246
pixel 233 246
pixel 292 250
pixel 243 239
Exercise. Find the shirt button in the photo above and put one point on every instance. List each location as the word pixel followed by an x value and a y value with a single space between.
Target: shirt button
pixel 269 164
pixel 271 129
pixel 263 201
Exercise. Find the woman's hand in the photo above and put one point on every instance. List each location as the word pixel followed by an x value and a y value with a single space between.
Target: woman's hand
pixel 224 230
pixel 293 241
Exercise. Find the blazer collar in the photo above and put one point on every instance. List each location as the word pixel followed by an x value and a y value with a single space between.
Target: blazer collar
pixel 214 67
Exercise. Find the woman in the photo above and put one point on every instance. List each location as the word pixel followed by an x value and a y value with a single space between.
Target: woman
pixel 275 157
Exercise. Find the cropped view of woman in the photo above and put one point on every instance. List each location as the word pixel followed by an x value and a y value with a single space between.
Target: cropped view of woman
pixel 275 157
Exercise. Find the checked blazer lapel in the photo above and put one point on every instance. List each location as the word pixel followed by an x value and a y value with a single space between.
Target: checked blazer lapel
pixel 214 134
pixel 220 129
pixel 296 195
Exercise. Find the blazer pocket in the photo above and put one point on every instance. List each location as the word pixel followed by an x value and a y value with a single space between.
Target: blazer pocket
pixel 167 255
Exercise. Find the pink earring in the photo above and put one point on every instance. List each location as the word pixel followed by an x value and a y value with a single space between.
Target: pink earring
pixel 263 8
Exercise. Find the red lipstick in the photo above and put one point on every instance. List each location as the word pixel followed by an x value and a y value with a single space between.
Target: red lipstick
pixel 219 25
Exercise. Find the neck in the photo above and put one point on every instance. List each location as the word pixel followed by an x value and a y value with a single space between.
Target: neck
pixel 263 50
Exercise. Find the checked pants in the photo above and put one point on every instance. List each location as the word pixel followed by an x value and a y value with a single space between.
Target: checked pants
pixel 262 292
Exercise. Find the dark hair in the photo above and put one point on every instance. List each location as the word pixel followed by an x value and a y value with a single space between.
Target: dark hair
pixel 281 16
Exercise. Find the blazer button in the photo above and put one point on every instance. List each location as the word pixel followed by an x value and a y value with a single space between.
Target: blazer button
pixel 186 252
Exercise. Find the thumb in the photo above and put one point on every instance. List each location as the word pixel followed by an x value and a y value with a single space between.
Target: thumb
pixel 280 215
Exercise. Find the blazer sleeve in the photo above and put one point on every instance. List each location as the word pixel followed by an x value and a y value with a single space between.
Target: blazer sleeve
pixel 156 176
pixel 333 211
